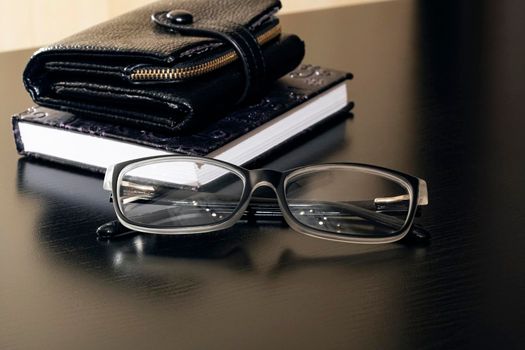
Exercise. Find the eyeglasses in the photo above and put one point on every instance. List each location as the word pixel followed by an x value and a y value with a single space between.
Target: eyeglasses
pixel 343 202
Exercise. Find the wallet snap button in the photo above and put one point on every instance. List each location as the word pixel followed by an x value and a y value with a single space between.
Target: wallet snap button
pixel 179 17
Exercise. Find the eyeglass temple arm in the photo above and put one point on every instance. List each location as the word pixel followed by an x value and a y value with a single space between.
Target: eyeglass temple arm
pixel 255 209
pixel 260 206
pixel 381 202
pixel 114 229
pixel 268 207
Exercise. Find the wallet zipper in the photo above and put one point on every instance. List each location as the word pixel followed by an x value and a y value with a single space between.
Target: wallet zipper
pixel 201 68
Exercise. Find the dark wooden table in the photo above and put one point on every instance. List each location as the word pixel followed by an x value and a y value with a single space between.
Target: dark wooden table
pixel 439 92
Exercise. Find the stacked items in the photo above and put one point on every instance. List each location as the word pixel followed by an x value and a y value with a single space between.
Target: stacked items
pixel 190 77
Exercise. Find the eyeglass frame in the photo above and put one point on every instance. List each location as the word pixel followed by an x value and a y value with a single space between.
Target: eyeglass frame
pixel 277 181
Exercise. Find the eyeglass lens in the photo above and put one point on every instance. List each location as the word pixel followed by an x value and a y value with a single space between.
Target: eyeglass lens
pixel 178 194
pixel 348 201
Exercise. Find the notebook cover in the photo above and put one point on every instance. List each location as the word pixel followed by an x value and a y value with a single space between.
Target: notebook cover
pixel 290 91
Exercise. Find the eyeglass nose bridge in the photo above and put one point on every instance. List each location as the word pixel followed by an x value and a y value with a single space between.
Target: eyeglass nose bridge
pixel 265 177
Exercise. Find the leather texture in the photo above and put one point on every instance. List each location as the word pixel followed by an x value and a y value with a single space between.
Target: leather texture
pixel 295 88
pixel 88 73
pixel 134 32
pixel 240 38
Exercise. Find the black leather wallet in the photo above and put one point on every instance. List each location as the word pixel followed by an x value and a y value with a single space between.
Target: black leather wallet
pixel 167 66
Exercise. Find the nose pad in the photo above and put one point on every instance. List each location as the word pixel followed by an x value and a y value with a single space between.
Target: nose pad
pixel 263 177
pixel 264 192
pixel 265 202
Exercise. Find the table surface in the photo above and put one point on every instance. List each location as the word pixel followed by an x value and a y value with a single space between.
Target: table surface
pixel 439 91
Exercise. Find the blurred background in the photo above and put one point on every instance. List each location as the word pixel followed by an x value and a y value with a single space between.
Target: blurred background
pixel 32 23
